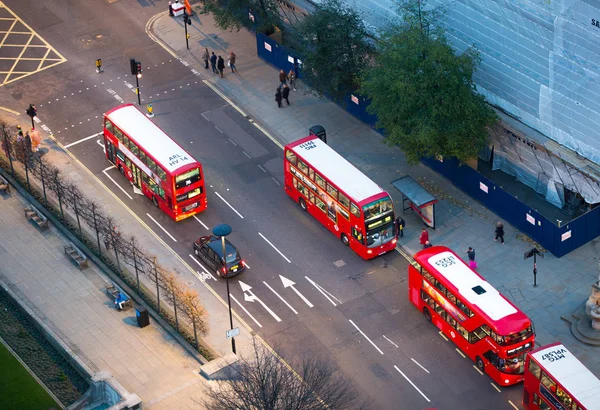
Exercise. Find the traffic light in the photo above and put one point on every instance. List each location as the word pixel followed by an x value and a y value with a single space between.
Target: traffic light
pixel 138 67
pixel 31 111
pixel 133 65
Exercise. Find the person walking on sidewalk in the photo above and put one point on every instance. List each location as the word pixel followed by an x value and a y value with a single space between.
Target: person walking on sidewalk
pixel 213 62
pixel 500 232
pixel 285 93
pixel 206 57
pixel 292 77
pixel 282 78
pixel 424 238
pixel 471 255
pixel 400 226
pixel 278 97
pixel 232 62
pixel 221 65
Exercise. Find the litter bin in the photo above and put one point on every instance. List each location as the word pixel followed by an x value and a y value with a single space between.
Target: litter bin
pixel 141 314
pixel 319 132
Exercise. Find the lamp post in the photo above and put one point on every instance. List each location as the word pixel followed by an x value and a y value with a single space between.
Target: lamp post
pixel 222 231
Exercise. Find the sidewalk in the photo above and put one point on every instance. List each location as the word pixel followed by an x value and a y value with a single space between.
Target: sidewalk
pixel 563 284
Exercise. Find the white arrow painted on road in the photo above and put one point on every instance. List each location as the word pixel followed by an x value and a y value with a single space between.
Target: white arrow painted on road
pixel 289 284
pixel 249 296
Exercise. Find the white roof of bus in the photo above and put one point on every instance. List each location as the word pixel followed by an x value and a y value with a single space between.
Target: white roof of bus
pixel 566 369
pixel 337 169
pixel 148 135
pixel 492 303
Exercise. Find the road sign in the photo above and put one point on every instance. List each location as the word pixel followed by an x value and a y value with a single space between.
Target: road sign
pixel 233 332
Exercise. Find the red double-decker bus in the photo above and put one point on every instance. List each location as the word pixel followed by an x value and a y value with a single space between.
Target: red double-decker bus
pixel 557 380
pixel 153 162
pixel 337 194
pixel 484 324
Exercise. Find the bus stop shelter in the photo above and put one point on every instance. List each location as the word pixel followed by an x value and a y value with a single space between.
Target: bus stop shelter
pixel 415 197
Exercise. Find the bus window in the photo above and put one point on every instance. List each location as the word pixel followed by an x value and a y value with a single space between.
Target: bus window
pixel 109 126
pixel 355 210
pixel 291 157
pixel 548 382
pixel 534 369
pixel 303 167
pixel 320 181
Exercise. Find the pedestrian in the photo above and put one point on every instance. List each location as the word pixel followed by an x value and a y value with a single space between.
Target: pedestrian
pixel 471 255
pixel 232 62
pixel 213 62
pixel 500 232
pixel 278 97
pixel 171 10
pixel 206 57
pixel 424 238
pixel 427 245
pixel 221 65
pixel 292 77
pixel 400 226
pixel 282 78
pixel 285 93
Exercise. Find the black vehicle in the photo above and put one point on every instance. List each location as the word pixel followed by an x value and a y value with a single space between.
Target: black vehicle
pixel 209 249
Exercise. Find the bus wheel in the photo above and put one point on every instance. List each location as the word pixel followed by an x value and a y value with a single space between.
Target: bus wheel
pixel 480 364
pixel 427 314
pixel 345 240
pixel 121 169
pixel 155 201
pixel 302 203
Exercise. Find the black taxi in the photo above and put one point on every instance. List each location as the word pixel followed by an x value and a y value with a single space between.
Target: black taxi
pixel 209 249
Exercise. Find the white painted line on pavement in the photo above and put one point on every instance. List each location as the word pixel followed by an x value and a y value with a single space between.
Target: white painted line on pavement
pixel 205 117
pixel 201 223
pixel 246 154
pixel 202 266
pixel 229 205
pixel 223 96
pixel 262 169
pixel 477 368
pixel 245 310
pixel 159 225
pixel 102 145
pixel 232 141
pixel 276 181
pixel 443 335
pixel 323 291
pixel 82 140
pixel 249 296
pixel 385 337
pixel 290 284
pixel 246 264
pixel 460 353
pixel 412 384
pixel 279 296
pixel 512 404
pixel 106 169
pixel 219 129
pixel 495 387
pixel 115 182
pixel 419 364
pixel 273 246
pixel 365 336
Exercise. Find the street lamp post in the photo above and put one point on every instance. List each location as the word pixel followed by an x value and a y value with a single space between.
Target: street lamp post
pixel 222 231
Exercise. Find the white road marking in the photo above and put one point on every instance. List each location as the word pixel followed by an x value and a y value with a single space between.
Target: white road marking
pixel 289 284
pixel 245 310
pixel 323 291
pixel 385 337
pixel 202 266
pixel 201 223
pixel 159 225
pixel 223 96
pixel 219 129
pixel 262 169
pixel 82 140
pixel 276 181
pixel 279 296
pixel 419 364
pixel 249 296
pixel 477 368
pixel 115 182
pixel 230 140
pixel 273 246
pixel 412 384
pixel 495 387
pixel 443 335
pixel 460 353
pixel 204 116
pixel 365 336
pixel 229 205
pixel 246 264
pixel 512 404
pixel 246 154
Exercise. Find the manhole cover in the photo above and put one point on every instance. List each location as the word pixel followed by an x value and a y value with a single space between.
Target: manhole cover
pixel 339 263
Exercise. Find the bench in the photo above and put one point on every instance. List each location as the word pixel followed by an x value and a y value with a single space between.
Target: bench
pixel 33 214
pixel 76 255
pixel 121 299
pixel 4 187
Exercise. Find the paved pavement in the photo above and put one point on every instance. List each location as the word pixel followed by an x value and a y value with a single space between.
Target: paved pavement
pixel 563 284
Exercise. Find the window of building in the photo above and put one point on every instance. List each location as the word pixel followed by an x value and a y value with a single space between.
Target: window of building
pixel 355 210
pixel 320 181
pixel 291 157
pixel 320 204
pixel 535 369
pixel 344 201
pixel 303 167
pixel 332 191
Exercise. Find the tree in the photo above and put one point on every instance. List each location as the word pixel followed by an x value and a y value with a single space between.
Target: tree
pixel 423 93
pixel 334 44
pixel 232 14
pixel 266 382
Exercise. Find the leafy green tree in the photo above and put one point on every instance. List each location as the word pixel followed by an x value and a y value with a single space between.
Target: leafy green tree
pixel 233 14
pixel 423 93
pixel 334 44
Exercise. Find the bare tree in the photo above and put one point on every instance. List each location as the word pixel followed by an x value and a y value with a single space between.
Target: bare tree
pixel 265 381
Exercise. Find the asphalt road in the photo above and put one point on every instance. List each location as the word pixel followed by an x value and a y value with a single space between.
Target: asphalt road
pixel 353 311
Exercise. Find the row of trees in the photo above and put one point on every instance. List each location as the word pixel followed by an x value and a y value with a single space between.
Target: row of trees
pixel 421 91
